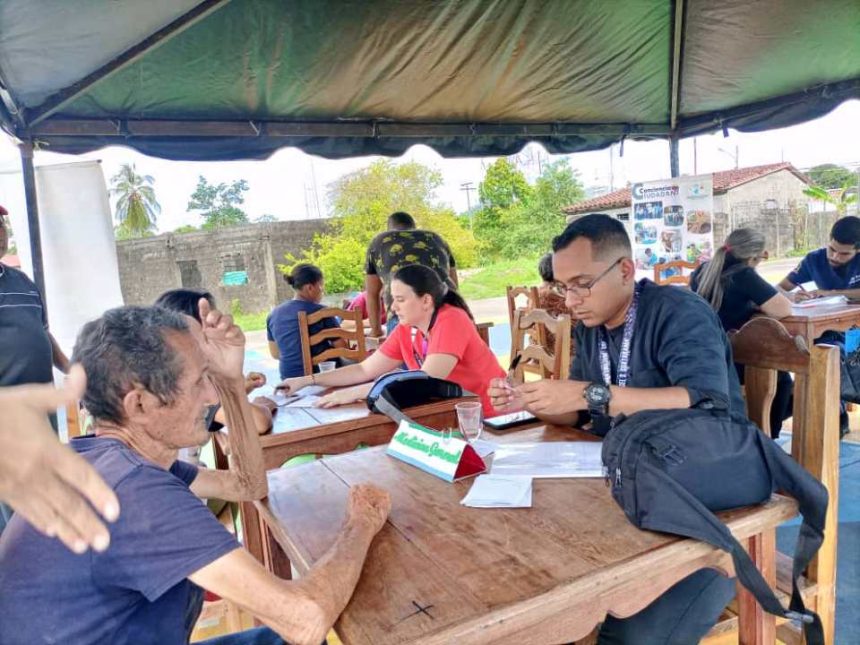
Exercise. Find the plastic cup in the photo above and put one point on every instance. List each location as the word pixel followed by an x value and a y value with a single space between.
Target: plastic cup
pixel 328 366
pixel 470 418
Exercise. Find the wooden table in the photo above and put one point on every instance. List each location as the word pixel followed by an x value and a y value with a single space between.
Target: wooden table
pixel 299 431
pixel 439 572
pixel 814 321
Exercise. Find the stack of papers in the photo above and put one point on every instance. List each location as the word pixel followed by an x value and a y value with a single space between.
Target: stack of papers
pixel 494 491
pixel 827 301
pixel 549 459
pixel 484 448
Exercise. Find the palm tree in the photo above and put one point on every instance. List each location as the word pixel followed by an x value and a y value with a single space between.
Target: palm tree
pixel 136 207
pixel 841 200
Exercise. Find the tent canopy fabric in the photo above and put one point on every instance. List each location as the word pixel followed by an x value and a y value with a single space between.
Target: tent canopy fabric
pixel 215 80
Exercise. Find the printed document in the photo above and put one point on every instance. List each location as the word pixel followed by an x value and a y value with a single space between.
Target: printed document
pixel 549 459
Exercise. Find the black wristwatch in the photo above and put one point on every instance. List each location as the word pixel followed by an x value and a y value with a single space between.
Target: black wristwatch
pixel 597 396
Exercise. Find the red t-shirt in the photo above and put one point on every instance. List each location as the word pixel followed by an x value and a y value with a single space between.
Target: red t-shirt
pixel 453 333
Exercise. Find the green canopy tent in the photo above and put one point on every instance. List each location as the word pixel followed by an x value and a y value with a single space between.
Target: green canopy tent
pixel 218 80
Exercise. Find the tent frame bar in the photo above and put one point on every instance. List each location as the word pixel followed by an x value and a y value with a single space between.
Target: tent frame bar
pixel 68 94
pixel 255 128
pixel 678 43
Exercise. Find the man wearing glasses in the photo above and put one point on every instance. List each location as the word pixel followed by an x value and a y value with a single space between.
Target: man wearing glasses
pixel 639 346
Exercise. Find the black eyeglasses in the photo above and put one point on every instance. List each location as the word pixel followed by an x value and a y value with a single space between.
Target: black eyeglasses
pixel 582 290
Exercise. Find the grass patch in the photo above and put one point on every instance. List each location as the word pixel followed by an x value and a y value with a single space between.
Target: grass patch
pixel 250 322
pixel 490 281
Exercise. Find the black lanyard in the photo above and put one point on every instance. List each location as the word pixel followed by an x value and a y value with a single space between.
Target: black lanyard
pixel 626 342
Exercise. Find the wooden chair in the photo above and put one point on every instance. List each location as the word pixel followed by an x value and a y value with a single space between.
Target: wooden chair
pixel 764 346
pixel 526 323
pixel 678 278
pixel 355 352
pixel 514 293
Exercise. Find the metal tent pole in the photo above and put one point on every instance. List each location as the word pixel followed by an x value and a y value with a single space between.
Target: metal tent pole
pixel 674 163
pixel 26 149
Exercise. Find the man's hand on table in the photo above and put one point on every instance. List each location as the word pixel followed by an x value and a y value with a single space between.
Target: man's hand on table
pixel 504 397
pixel 265 402
pixel 254 380
pixel 368 504
pixel 553 398
pixel 51 486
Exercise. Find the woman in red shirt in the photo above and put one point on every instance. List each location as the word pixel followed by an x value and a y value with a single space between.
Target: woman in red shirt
pixel 436 334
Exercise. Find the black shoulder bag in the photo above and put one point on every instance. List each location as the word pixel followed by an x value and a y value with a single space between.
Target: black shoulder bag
pixel 671 469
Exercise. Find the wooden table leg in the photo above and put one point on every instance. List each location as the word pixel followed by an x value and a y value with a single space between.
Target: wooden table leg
pixel 252 536
pixel 755 625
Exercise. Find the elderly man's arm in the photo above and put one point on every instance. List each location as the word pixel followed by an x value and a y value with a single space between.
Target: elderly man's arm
pixel 302 611
pixel 51 486
pixel 224 347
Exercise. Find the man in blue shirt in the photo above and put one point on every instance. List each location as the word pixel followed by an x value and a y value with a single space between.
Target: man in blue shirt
pixel 835 269
pixel 152 373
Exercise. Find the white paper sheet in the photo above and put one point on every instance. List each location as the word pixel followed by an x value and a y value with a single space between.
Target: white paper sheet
pixel 494 491
pixel 304 402
pixel 549 459
pixel 828 301
pixel 312 390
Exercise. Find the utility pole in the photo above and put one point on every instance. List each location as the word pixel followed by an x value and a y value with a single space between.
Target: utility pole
pixel 467 188
pixel 695 158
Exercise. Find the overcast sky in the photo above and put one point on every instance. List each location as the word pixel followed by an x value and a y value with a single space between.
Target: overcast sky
pixel 283 185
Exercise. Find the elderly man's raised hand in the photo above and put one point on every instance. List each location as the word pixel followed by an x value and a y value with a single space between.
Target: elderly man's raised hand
pixel 224 342
pixel 51 486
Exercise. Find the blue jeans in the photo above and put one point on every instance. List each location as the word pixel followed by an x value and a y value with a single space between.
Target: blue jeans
pixel 256 636
pixel 681 616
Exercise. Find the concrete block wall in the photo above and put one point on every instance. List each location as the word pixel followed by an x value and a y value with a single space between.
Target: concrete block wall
pixel 150 266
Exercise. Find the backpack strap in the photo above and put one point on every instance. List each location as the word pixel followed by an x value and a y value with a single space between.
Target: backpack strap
pixel 703 525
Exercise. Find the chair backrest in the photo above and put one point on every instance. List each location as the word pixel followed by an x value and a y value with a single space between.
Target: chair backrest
pixel 527 323
pixel 355 338
pixel 530 294
pixel 675 265
pixel 764 346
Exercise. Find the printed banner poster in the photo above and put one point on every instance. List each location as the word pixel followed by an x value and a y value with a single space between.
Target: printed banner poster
pixel 672 219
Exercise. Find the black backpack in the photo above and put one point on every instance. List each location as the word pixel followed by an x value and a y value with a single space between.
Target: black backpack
pixel 670 469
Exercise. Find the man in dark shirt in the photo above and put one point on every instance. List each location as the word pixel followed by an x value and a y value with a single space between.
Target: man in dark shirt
pixel 400 245
pixel 150 379
pixel 835 269
pixel 28 351
pixel 639 346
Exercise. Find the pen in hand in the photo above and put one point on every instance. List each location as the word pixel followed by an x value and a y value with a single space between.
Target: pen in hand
pixel 510 378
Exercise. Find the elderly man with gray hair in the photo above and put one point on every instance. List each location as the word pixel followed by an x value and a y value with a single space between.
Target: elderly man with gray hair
pixel 152 373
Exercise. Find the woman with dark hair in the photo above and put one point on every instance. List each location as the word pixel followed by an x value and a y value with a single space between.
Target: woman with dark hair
pixel 187 301
pixel 549 300
pixel 730 283
pixel 436 333
pixel 282 325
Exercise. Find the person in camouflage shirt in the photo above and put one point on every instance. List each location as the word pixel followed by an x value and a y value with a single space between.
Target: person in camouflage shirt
pixel 400 245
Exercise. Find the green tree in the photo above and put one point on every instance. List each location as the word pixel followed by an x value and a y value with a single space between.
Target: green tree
pixel 219 204
pixel 136 207
pixel 503 189
pixel 844 196
pixel 265 219
pixel 829 175
pixel 186 228
pixel 361 203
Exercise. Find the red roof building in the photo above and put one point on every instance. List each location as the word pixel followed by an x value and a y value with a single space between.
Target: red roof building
pixel 724 181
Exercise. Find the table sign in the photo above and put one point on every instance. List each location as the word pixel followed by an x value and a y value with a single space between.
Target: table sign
pixel 449 459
